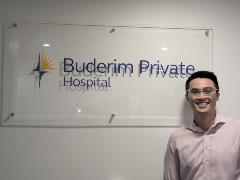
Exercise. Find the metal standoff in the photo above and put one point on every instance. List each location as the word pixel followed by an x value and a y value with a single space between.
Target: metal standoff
pixel 9 117
pixel 111 118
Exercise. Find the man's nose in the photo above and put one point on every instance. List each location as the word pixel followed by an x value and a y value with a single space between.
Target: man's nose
pixel 201 94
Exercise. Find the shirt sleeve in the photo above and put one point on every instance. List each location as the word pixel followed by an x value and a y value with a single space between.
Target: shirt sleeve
pixel 237 176
pixel 171 164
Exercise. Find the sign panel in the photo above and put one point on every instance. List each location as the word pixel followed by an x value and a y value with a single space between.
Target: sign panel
pixel 83 75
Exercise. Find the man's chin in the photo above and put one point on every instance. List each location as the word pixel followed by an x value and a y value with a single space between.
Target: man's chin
pixel 202 110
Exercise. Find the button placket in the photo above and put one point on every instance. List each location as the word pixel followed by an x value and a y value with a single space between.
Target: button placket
pixel 206 155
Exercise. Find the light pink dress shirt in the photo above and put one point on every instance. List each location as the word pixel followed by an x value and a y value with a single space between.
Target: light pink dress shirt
pixel 193 154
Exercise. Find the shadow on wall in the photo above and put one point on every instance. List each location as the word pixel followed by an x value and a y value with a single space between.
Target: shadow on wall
pixel 186 115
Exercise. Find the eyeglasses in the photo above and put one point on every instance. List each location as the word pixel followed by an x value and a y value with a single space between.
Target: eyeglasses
pixel 207 91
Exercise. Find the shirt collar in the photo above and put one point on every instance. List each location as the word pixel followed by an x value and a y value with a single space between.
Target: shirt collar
pixel 219 120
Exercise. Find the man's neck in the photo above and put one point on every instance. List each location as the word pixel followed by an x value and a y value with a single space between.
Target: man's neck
pixel 205 120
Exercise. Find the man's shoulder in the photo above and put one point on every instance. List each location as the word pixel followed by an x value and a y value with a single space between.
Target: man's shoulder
pixel 229 120
pixel 178 133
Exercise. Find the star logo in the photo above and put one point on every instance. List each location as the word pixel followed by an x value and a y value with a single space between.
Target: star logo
pixel 44 66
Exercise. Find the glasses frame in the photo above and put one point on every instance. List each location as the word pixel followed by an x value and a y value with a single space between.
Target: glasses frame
pixel 214 91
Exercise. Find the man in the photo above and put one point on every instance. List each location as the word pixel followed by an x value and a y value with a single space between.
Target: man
pixel 208 148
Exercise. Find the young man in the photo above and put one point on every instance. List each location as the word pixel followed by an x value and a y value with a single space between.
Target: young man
pixel 208 148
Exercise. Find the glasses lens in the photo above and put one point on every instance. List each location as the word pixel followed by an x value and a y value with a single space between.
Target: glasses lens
pixel 206 90
pixel 194 91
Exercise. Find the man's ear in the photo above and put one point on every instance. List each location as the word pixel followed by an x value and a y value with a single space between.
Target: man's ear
pixel 186 96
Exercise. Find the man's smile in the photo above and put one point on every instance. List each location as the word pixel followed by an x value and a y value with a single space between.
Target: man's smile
pixel 202 103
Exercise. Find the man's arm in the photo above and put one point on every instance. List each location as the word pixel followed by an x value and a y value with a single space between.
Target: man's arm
pixel 171 164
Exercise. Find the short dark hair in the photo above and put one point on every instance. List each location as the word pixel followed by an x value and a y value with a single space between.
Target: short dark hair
pixel 202 74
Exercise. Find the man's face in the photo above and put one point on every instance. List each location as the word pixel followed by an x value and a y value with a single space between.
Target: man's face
pixel 202 95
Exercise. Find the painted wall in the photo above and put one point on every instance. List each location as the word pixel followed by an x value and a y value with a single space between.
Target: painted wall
pixel 115 153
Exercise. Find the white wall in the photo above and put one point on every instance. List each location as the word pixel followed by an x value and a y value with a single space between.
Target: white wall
pixel 115 153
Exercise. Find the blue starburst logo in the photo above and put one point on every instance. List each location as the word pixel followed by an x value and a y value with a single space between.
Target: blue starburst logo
pixel 43 67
